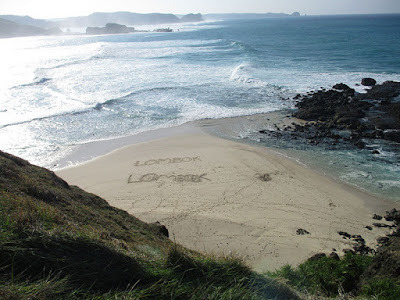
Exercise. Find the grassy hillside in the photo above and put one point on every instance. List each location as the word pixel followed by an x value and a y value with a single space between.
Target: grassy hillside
pixel 57 241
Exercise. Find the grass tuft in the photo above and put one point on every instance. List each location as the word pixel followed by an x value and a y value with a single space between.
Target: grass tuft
pixel 381 288
pixel 326 276
pixel 332 278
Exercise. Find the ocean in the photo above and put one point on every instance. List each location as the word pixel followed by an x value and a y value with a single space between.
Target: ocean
pixel 57 93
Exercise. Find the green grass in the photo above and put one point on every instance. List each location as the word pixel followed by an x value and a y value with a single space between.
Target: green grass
pixel 330 278
pixel 59 242
pixel 381 289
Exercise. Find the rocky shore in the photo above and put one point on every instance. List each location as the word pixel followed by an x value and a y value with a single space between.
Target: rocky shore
pixel 341 115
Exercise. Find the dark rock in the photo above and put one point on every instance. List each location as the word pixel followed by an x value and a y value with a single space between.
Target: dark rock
pixel 389 218
pixel 368 227
pixel 381 225
pixel 373 115
pixel 386 90
pixel 393 215
pixel 334 256
pixel 264 177
pixel 356 236
pixel 163 30
pixel 359 144
pixel 375 152
pixel 362 249
pixel 358 239
pixel 161 228
pixel 344 234
pixel 368 82
pixel 376 217
pixel 383 240
pixel 342 87
pixel 301 231
pixel 317 256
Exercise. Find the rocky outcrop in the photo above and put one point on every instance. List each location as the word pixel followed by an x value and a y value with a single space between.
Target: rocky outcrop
pixel 385 91
pixel 110 28
pixel 341 114
pixel 192 18
pixel 368 81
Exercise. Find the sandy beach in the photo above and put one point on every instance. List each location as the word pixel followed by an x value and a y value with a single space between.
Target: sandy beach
pixel 223 197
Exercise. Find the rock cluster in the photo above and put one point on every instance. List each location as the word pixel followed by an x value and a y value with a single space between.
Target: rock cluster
pixel 386 259
pixel 301 231
pixel 341 114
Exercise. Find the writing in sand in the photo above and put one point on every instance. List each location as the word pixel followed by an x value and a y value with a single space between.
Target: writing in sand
pixel 165 161
pixel 176 178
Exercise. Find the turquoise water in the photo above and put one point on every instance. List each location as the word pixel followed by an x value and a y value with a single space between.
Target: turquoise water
pixel 59 92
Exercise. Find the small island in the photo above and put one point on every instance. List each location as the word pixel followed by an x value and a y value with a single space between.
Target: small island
pixel 114 28
pixel 110 28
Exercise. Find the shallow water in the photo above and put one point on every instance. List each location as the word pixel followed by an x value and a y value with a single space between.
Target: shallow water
pixel 377 174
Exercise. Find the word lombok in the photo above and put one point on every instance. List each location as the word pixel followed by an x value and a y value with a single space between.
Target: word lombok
pixel 166 161
pixel 177 178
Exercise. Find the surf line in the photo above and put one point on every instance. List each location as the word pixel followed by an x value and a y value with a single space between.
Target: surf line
pixel 166 161
pixel 177 178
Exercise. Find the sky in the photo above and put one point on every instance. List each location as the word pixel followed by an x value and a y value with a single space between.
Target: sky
pixel 67 8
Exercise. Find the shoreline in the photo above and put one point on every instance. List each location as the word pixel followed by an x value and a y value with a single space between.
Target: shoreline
pixel 224 197
pixel 89 151
pixel 83 153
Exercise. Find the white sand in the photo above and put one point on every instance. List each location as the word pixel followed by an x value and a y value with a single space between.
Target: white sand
pixel 212 196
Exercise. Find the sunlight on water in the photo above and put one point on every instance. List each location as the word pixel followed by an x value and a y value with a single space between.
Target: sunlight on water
pixel 59 92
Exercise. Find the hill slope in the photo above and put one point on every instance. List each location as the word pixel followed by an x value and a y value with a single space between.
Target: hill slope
pixel 12 29
pixel 57 241
pixel 27 20
pixel 126 18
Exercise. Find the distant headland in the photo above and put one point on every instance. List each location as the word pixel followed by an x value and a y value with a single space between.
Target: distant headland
pixel 96 23
pixel 116 22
